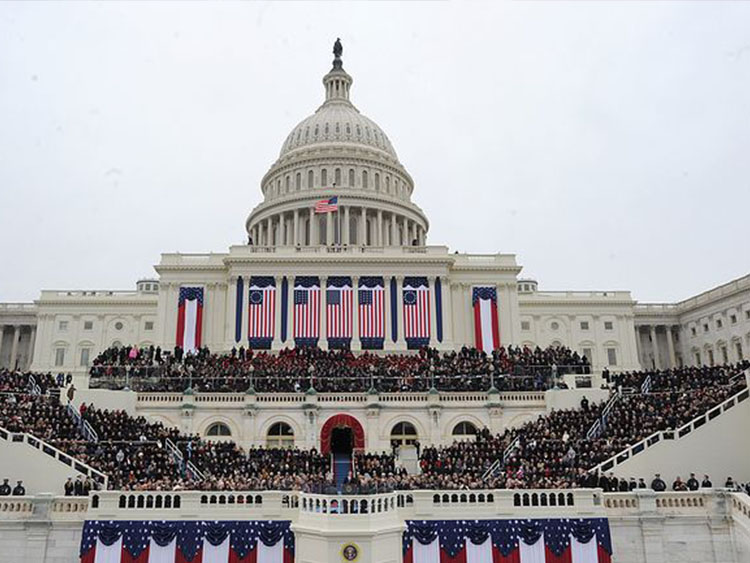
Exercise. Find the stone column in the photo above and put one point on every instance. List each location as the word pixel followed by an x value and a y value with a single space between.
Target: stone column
pixel 447 300
pixel 14 347
pixel 329 228
pixel 323 340
pixel 655 346
pixel 356 344
pixel 407 232
pixel 314 239
pixel 276 342
pixel 345 230
pixel 296 227
pixel 363 227
pixel 670 347
pixel 380 228
pixel 401 340
pixel 32 343
pixel 269 232
pixel 394 234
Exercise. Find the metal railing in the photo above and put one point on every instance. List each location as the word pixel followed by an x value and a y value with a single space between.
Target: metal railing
pixel 190 469
pixel 600 424
pixel 86 430
pixel 502 461
pixel 646 385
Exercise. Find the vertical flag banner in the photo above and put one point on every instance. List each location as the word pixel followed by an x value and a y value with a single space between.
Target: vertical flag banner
pixel 394 309
pixel 261 305
pixel 339 312
pixel 439 309
pixel 284 307
pixel 486 329
pixel 371 312
pixel 149 541
pixel 190 318
pixel 416 296
pixel 238 309
pixel 552 540
pixel 306 310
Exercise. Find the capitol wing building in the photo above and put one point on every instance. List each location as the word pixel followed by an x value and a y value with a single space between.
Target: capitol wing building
pixel 377 239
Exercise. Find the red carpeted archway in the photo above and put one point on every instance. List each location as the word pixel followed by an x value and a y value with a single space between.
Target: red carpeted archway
pixel 339 421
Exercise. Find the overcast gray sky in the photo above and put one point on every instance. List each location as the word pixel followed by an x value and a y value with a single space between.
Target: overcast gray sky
pixel 606 144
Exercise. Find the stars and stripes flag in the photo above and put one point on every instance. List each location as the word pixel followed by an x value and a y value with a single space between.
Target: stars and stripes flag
pixel 416 295
pixel 553 540
pixel 261 306
pixel 327 205
pixel 486 329
pixel 372 312
pixel 189 318
pixel 339 311
pixel 146 541
pixel 306 310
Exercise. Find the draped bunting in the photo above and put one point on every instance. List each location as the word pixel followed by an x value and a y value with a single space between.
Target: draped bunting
pixel 189 318
pixel 306 310
pixel 187 541
pixel 261 312
pixel 486 324
pixel 416 303
pixel 339 312
pixel 559 540
pixel 371 303
pixel 339 421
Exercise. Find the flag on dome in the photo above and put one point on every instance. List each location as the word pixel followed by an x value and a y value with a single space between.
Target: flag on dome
pixel 189 318
pixel 486 329
pixel 327 205
pixel 147 541
pixel 549 540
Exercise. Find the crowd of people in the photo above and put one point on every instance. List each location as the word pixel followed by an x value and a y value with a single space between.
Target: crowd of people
pixel 555 450
pixel 299 369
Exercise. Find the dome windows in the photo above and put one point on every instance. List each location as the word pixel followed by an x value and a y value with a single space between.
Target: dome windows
pixel 364 180
pixel 348 129
pixel 351 177
pixel 298 181
pixel 377 182
pixel 326 130
pixel 307 133
pixel 309 179
pixel 316 132
pixel 337 177
pixel 323 178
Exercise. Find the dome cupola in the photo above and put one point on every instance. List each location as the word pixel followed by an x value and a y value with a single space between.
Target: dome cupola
pixel 337 151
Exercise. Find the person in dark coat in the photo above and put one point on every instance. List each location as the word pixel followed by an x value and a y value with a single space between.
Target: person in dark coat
pixel 69 487
pixel 706 483
pixel 4 488
pixel 658 484
pixel 79 487
pixel 604 483
pixel 18 490
pixel 692 483
pixel 642 484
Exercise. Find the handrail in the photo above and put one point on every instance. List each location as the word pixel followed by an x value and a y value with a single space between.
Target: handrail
pixel 492 469
pixel 675 434
pixel 86 430
pixel 646 385
pixel 600 424
pixel 55 453
pixel 35 389
pixel 193 472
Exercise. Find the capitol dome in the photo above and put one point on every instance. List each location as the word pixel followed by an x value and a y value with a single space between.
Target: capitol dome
pixel 337 152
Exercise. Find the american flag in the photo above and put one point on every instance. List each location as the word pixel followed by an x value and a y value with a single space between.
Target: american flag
pixel 261 310
pixel 372 311
pixel 327 205
pixel 189 318
pixel 306 310
pixel 416 311
pixel 178 541
pixel 339 311
pixel 548 540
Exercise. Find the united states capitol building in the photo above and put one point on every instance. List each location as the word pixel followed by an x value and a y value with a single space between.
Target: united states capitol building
pixel 379 237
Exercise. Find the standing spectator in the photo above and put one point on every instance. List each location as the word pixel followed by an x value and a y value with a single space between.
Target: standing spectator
pixel 78 487
pixel 707 484
pixel 692 483
pixel 18 490
pixel 69 487
pixel 71 393
pixel 4 488
pixel 658 484
pixel 730 484
pixel 679 485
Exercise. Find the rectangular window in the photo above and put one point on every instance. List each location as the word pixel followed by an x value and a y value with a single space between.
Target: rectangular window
pixel 525 325
pixel 747 315
pixel 738 347
pixel 697 358
pixel 149 325
pixel 711 357
pixel 85 353
pixel 693 331
pixel 608 325
pixel 733 319
pixel 612 356
pixel 584 325
pixel 705 327
pixel 724 355
pixel 586 352
pixel 59 357
pixel 62 326
pixel 88 325
pixel 719 324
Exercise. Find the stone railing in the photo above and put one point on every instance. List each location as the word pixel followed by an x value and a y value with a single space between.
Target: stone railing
pixel 44 506
pixel 640 501
pixel 507 398
pixel 680 432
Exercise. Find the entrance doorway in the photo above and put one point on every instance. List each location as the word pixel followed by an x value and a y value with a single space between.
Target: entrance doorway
pixel 342 440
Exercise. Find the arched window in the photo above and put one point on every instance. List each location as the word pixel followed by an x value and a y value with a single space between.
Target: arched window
pixel 218 429
pixel 324 178
pixel 353 230
pixel 288 182
pixel 351 177
pixel 280 435
pixel 337 177
pixel 364 180
pixel 377 181
pixel 387 184
pixel 403 433
pixel 309 179
pixel 464 430
pixel 298 182
pixel 322 230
